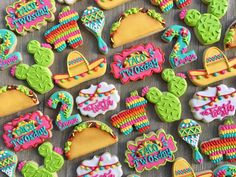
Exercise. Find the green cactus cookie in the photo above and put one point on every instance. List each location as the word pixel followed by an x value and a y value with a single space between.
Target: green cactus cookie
pixel 53 162
pixel 167 104
pixel 207 27
pixel 38 76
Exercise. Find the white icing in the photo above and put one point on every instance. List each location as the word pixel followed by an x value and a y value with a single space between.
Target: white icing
pixel 99 105
pixel 209 113
pixel 107 159
pixel 69 2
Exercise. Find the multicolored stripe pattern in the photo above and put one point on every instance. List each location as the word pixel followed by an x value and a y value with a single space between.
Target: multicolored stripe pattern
pixel 223 147
pixel 135 115
pixel 66 32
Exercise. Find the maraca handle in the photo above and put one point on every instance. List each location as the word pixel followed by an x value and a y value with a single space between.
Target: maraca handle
pixel 103 48
pixel 197 156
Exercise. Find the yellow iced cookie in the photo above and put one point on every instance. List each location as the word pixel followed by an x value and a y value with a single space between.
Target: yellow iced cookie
pixel 109 4
pixel 217 67
pixel 15 99
pixel 134 24
pixel 79 70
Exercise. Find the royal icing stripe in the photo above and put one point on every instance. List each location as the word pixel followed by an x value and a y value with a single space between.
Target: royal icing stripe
pixel 26 16
pixel 214 103
pixel 97 99
pixel 65 33
pixel 134 116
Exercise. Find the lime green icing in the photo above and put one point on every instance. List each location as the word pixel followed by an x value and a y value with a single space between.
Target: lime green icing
pixel 131 11
pixel 53 162
pixel 229 36
pixel 115 26
pixel 217 7
pixel 192 17
pixel 84 125
pixel 152 13
pixel 21 88
pixel 167 104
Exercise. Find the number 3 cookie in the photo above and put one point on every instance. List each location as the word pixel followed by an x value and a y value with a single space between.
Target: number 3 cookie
pixel 8 43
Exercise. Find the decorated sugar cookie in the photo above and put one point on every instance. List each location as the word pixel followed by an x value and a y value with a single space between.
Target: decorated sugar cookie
pixel 53 162
pixel 108 4
pixel 8 161
pixel 80 70
pixel 89 137
pixel 224 147
pixel 64 119
pixel 25 16
pixel 134 116
pixel 137 63
pixel 69 2
pixel 8 57
pixel 214 103
pixel 230 37
pixel 167 104
pixel 150 151
pixel 145 22
pixel 16 98
pixel 97 99
pixel 104 165
pixel 180 54
pixel 225 171
pixel 207 26
pixel 190 131
pixel 27 131
pixel 94 20
pixel 38 76
pixel 167 5
pixel 66 33
pixel 181 168
pixel 217 67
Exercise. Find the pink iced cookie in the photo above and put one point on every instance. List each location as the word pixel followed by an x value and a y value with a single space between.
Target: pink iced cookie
pixel 27 131
pixel 137 63
pixel 150 151
pixel 26 16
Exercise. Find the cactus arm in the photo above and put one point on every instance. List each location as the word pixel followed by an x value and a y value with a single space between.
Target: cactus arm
pixel 21 71
pixel 192 17
pixel 45 149
pixel 217 7
pixel 153 95
pixel 33 46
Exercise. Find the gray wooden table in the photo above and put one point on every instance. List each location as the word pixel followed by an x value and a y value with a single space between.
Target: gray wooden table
pixel 89 49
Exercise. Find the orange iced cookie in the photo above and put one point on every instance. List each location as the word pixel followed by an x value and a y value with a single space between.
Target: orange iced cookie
pixel 217 67
pixel 89 137
pixel 15 99
pixel 134 24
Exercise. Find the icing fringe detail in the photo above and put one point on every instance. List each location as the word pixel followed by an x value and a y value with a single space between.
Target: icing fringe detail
pixel 135 115
pixel 67 31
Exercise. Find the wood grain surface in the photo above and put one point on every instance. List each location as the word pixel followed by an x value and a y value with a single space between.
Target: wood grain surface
pixel 90 51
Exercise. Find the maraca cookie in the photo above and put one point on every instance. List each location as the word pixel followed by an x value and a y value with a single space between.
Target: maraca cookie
pixel 145 22
pixel 16 98
pixel 106 165
pixel 8 57
pixel 8 161
pixel 25 16
pixel 190 131
pixel 94 20
pixel 108 4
